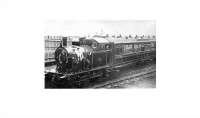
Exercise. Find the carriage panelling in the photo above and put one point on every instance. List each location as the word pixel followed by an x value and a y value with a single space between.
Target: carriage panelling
pixel 134 52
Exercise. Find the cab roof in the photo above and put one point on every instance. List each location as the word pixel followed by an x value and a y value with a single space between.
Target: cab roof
pixel 101 40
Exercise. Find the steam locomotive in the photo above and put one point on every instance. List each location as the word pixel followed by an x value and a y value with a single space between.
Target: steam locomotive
pixel 88 59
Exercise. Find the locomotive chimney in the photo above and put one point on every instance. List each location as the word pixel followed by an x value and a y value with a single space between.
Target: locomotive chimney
pixel 66 41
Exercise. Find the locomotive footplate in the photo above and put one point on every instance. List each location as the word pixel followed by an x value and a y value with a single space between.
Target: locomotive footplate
pixel 79 79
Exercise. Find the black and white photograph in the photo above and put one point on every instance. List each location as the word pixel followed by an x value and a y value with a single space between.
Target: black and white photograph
pixel 99 59
pixel 100 54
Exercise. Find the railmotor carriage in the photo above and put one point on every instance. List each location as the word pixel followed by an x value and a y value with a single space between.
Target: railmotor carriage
pixel 88 59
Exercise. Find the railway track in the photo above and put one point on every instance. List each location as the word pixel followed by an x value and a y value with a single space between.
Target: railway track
pixel 131 78
pixel 124 76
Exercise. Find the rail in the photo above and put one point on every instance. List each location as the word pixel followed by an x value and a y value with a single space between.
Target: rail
pixel 127 78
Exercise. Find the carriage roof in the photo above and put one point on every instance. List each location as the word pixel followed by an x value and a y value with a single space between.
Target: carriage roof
pixel 120 40
pixel 129 40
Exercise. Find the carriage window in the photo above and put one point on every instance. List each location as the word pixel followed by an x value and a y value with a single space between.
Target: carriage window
pixel 128 48
pixel 118 50
pixel 147 47
pixel 153 46
pixel 139 47
pixel 136 47
pixel 142 47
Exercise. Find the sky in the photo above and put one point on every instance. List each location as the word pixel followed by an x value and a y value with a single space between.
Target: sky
pixel 77 28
